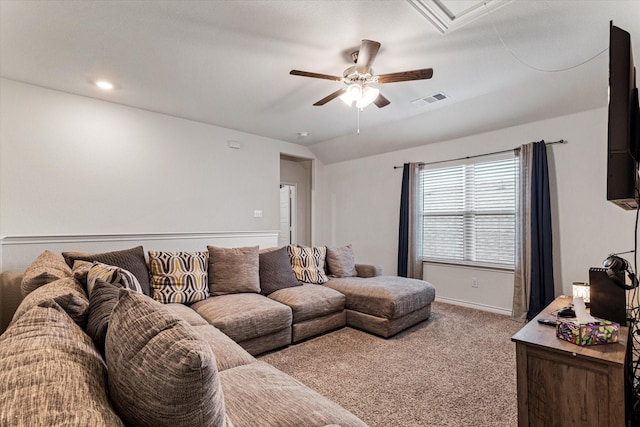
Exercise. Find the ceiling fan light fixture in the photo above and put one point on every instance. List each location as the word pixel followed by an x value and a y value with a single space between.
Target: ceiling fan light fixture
pixel 352 94
pixel 346 98
pixel 369 94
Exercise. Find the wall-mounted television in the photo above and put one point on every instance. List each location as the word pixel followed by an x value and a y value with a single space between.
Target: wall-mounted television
pixel 623 148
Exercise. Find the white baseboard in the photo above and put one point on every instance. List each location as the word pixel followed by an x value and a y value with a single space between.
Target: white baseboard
pixel 477 306
pixel 17 252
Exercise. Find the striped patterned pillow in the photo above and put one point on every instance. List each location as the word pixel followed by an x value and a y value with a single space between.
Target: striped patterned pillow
pixel 112 274
pixel 308 263
pixel 179 277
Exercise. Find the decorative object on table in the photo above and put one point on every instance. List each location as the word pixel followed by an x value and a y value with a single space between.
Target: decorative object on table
pixel 586 329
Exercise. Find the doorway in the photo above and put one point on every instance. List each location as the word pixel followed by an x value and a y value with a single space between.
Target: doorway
pixel 287 233
pixel 295 201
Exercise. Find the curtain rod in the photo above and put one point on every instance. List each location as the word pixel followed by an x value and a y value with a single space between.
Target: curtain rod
pixel 562 141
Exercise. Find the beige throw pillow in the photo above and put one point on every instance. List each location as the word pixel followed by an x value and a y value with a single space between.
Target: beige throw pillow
pixel 233 270
pixel 161 371
pixel 51 373
pixel 47 268
pixel 341 261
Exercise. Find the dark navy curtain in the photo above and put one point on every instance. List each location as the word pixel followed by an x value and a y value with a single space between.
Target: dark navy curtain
pixel 403 232
pixel 542 287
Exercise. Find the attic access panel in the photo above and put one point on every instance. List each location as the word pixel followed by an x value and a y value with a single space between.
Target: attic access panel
pixel 447 15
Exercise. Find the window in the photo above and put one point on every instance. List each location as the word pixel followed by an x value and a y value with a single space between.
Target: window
pixel 469 213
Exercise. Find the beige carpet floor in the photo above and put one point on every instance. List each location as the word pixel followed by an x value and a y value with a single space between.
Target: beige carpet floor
pixel 456 369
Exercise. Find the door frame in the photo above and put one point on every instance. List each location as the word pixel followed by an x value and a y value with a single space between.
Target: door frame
pixel 293 208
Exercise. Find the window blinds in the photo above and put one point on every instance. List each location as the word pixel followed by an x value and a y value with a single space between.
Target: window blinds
pixel 469 213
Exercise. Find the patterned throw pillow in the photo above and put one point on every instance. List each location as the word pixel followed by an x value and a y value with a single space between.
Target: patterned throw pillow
pixel 130 259
pixel 112 274
pixel 179 277
pixel 308 263
pixel 341 261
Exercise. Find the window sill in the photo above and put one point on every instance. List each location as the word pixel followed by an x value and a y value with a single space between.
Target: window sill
pixel 467 264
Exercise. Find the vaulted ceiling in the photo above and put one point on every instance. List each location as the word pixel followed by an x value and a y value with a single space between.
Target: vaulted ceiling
pixel 227 63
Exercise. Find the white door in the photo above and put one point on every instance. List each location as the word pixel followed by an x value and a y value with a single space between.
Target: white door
pixel 286 235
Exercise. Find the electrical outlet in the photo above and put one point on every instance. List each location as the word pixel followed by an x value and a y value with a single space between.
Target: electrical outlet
pixel 474 282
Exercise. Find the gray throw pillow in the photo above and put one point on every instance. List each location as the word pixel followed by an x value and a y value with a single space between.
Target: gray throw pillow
pixel 101 303
pixel 161 371
pixel 341 261
pixel 275 271
pixel 233 270
pixel 132 260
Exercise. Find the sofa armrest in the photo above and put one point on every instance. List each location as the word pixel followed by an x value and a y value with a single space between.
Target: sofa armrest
pixel 10 297
pixel 367 270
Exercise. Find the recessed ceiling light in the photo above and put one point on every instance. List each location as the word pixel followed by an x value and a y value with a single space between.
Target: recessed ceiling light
pixel 303 134
pixel 103 84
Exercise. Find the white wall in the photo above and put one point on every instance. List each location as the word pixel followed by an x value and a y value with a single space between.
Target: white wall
pixel 71 165
pixel 363 196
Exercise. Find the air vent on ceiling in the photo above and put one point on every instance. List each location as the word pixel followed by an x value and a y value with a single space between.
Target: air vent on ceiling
pixel 436 97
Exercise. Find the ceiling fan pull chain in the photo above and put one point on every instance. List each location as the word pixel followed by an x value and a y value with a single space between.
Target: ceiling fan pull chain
pixel 358 110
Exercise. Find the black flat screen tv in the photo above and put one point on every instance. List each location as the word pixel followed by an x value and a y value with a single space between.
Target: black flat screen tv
pixel 623 147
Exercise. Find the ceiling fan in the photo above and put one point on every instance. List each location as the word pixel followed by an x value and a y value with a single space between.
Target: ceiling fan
pixel 358 78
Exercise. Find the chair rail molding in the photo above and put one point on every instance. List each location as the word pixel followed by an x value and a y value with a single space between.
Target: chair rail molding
pixel 17 252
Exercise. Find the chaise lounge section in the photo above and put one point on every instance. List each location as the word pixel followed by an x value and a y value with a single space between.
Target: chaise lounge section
pixel 384 305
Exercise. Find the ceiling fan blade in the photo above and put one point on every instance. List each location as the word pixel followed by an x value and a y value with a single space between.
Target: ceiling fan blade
pixel 333 96
pixel 381 101
pixel 314 75
pixel 405 76
pixel 366 55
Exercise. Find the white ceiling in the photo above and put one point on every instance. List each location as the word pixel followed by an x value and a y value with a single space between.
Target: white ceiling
pixel 227 62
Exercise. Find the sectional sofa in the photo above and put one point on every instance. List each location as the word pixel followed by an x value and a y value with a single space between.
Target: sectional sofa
pixel 119 338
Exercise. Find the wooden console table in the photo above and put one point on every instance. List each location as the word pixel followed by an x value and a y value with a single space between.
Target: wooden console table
pixel 563 384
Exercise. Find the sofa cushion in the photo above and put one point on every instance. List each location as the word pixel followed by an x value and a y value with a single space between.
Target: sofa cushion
pixel 129 259
pixel 384 296
pixel 308 263
pixel 233 270
pixel 179 277
pixel 260 395
pixel 244 316
pixel 48 267
pixel 228 353
pixel 51 373
pixel 275 271
pixel 186 313
pixel 161 373
pixel 341 261
pixel 67 293
pixel 110 273
pixel 310 301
